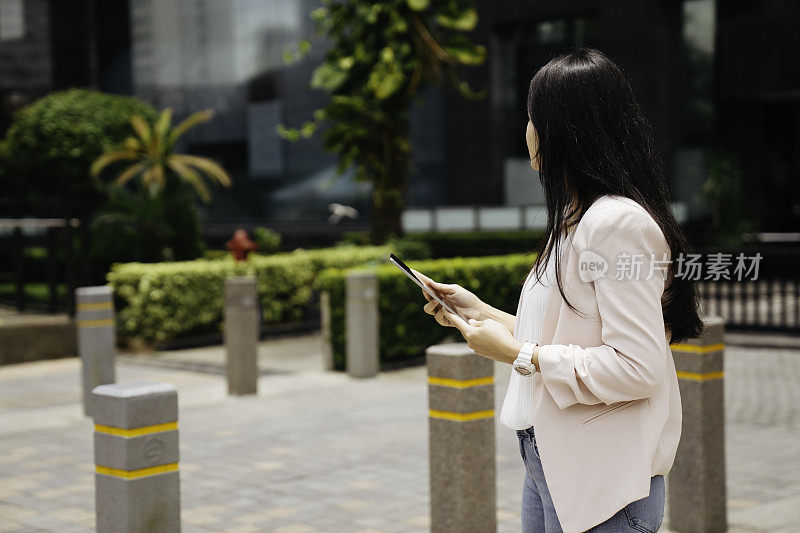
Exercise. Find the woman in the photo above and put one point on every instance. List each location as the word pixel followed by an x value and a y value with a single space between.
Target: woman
pixel 598 311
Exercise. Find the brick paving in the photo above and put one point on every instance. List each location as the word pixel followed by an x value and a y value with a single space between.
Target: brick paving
pixel 318 451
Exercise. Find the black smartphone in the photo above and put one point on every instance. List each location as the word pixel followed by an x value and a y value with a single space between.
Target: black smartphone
pixel 407 271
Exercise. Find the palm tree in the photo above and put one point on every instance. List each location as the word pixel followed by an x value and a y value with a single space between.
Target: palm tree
pixel 151 152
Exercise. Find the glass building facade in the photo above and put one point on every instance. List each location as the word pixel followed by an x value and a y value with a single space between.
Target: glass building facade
pixel 227 55
pixel 718 80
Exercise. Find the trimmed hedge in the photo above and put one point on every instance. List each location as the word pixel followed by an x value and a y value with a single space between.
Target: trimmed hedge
pixel 405 329
pixel 163 301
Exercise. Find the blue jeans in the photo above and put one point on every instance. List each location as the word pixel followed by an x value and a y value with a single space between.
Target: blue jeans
pixel 539 515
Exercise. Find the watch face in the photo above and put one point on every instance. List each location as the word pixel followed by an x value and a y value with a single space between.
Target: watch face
pixel 522 370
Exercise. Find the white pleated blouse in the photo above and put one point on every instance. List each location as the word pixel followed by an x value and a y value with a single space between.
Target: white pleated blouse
pixel 518 407
pixel 532 300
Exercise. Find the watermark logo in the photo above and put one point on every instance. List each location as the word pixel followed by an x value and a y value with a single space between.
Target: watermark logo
pixel 697 267
pixel 591 266
pixel 718 266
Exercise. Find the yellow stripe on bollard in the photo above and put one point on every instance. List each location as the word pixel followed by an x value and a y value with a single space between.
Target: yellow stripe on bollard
pixel 135 432
pixel 97 323
pixel 696 376
pixel 462 417
pixel 691 348
pixel 460 383
pixel 94 306
pixel 133 474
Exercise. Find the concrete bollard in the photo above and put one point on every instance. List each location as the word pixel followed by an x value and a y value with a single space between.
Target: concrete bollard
pixel 462 440
pixel 697 478
pixel 96 339
pixel 241 334
pixel 137 484
pixel 361 323
pixel 325 320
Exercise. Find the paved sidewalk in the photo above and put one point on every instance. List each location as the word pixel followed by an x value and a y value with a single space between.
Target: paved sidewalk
pixel 318 451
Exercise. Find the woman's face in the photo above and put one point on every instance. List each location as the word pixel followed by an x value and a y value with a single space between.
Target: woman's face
pixel 533 145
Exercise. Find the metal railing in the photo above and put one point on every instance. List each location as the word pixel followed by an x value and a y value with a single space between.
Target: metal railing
pixel 770 304
pixel 51 233
pixel 771 301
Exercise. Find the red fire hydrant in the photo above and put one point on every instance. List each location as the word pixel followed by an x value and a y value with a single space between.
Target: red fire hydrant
pixel 241 245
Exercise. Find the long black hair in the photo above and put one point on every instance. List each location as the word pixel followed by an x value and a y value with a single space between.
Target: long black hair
pixel 594 140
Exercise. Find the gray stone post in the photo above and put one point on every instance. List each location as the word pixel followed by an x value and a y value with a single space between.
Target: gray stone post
pixel 361 323
pixel 241 334
pixel 325 319
pixel 96 339
pixel 697 478
pixel 137 485
pixel 462 440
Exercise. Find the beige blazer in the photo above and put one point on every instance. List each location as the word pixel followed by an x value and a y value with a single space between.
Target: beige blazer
pixel 607 409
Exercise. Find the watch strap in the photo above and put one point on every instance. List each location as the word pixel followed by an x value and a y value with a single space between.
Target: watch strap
pixel 523 363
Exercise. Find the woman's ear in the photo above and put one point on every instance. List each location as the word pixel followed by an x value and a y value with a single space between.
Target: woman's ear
pixel 533 145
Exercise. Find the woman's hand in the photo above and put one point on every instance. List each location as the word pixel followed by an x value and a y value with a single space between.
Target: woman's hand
pixel 487 338
pixel 463 301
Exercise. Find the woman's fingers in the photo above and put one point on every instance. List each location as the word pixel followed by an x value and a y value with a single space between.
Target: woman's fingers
pixel 441 319
pixel 422 277
pixel 427 281
pixel 430 307
pixel 441 288
pixel 458 322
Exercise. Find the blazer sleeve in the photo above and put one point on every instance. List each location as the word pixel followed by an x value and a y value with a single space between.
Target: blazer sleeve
pixel 631 362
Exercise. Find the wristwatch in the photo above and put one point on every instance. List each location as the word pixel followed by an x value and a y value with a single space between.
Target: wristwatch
pixel 523 364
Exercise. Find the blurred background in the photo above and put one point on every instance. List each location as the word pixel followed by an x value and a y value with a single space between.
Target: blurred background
pixel 281 129
pixel 159 148
pixel 718 80
pixel 399 124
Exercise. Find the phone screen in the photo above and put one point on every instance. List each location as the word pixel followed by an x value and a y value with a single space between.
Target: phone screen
pixel 403 266
pixel 407 271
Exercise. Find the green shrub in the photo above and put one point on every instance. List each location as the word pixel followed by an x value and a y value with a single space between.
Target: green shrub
pixel 36 263
pixel 464 243
pixel 268 241
pixel 52 143
pixel 44 166
pixel 479 243
pixel 358 238
pixel 405 248
pixel 163 301
pixel 405 329
pixel 135 226
pixel 216 254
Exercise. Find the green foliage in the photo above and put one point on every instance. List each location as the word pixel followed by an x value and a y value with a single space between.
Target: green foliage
pixel 14 188
pixel 164 301
pixel 268 241
pixel 36 263
pixel 37 295
pixel 157 221
pixel 723 196
pixel 464 243
pixel 353 237
pixel 150 155
pixel 405 248
pixel 381 54
pixel 52 143
pixel 405 329
pixel 471 243
pixel 134 225
pixel 216 254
